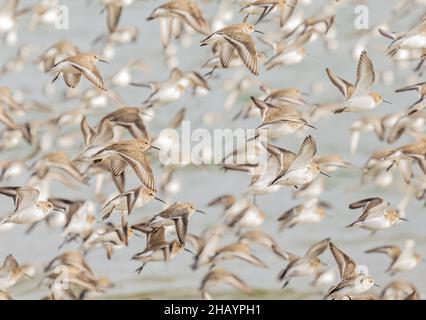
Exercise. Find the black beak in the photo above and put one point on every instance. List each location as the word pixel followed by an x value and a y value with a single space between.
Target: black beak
pixel 59 210
pixel 273 181
pixel 158 199
pixel 327 175
pixel 156 148
pixel 104 61
pixel 259 31
pixel 200 211
pixel 376 285
pixel 403 219
pixel 387 101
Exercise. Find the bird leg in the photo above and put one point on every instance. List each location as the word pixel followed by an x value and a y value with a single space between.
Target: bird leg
pixel 139 270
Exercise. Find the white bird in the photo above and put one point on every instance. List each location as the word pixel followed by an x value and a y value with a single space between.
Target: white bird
pixel 28 209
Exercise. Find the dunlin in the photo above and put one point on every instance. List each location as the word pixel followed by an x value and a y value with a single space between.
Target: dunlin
pixel 250 217
pixel 358 97
pixel 237 250
pixel 324 278
pixel 24 129
pixel 28 209
pixel 56 53
pixel 421 92
pixel 100 135
pixel 263 172
pixel 289 95
pixel 410 124
pixel 8 20
pixel 130 118
pixel 415 38
pixel 290 53
pixel 120 36
pixel 365 124
pixel 261 238
pixel 18 61
pixel 318 24
pixel 173 88
pixel 7 98
pixel 401 259
pixel 114 10
pixel 177 214
pixel 311 190
pixel 127 201
pixel 299 169
pixel 400 290
pixel 286 119
pixel 184 10
pixel 10 273
pixel 377 214
pixel 80 218
pixel 158 249
pixel 5 296
pixel 239 213
pixel 285 8
pixel 58 166
pixel 128 152
pixel 124 76
pixel 312 211
pixel 109 237
pixel 205 245
pixel 217 276
pixel 305 265
pixel 353 281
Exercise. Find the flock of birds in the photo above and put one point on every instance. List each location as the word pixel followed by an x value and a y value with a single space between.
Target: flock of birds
pixel 122 139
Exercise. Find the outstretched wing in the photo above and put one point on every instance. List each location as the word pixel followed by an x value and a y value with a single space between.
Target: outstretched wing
pixel 347 266
pixel 246 49
pixel 365 76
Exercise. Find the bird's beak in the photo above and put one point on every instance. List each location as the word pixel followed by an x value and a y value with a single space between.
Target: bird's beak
pixel 156 148
pixel 387 101
pixel 200 211
pixel 158 199
pixel 327 175
pixel 403 219
pixel 28 276
pixel 258 31
pixel 187 250
pixel 104 61
pixel 376 285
